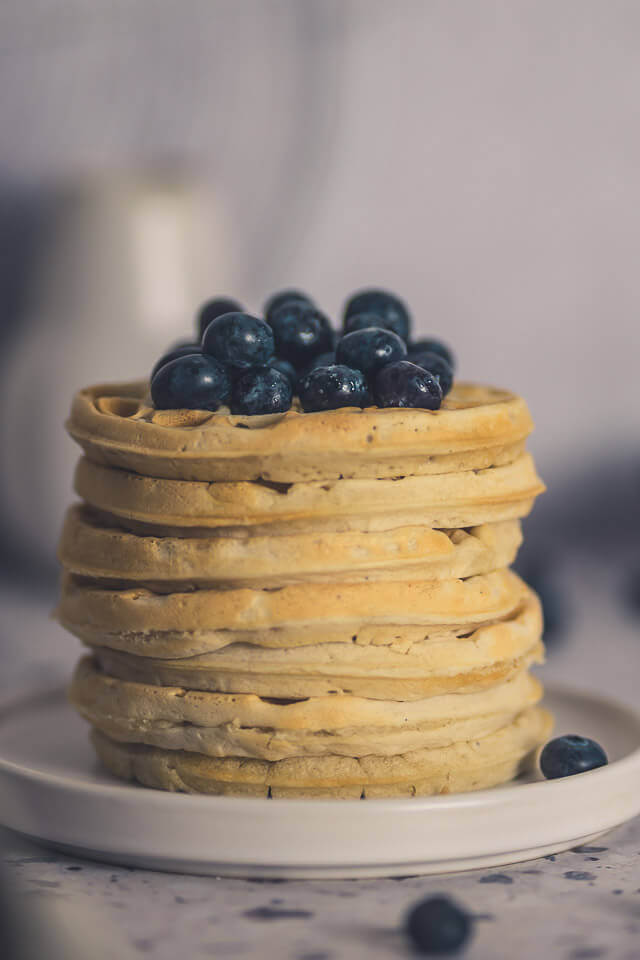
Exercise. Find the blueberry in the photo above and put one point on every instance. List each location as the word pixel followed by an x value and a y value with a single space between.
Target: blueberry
pixel 301 332
pixel 239 340
pixel 392 312
pixel 278 300
pixel 370 349
pixel 262 390
pixel 432 346
pixel 327 388
pixel 438 366
pixel 322 360
pixel 438 926
pixel 362 321
pixel 571 754
pixel 213 309
pixel 403 384
pixel 285 367
pixel 197 382
pixel 179 350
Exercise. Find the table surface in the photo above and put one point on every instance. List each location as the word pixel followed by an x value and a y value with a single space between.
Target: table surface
pixel 578 905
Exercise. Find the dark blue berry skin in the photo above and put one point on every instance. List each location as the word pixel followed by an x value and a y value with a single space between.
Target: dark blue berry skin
pixel 262 390
pixel 322 360
pixel 362 321
pixel 327 388
pixel 403 384
pixel 370 349
pixel 391 311
pixel 571 754
pixel 180 350
pixel 239 340
pixel 195 382
pixel 285 367
pixel 438 927
pixel 301 332
pixel 432 346
pixel 278 300
pixel 436 365
pixel 213 309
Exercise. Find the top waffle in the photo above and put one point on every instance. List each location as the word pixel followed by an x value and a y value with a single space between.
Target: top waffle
pixel 477 427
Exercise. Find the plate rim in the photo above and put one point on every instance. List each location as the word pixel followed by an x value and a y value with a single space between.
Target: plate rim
pixel 296 838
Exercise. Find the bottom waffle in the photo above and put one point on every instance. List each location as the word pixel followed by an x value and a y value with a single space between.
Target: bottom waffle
pixel 459 767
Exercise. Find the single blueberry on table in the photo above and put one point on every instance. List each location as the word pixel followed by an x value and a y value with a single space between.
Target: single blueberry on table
pixel 213 309
pixel 327 388
pixel 261 390
pixel 391 311
pixel 179 350
pixel 438 366
pixel 301 332
pixel 438 926
pixel 277 300
pixel 195 382
pixel 370 349
pixel 285 367
pixel 432 346
pixel 565 756
pixel 403 384
pixel 239 340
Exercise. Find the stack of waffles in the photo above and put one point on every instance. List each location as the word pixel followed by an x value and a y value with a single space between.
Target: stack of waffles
pixel 304 604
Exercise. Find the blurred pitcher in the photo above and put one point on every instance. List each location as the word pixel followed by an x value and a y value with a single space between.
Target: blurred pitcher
pixel 123 265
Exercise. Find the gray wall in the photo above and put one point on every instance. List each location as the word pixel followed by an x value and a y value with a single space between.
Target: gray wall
pixel 481 158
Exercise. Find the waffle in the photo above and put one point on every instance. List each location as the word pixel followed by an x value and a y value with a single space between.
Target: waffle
pixel 468 765
pixel 462 499
pixel 93 548
pixel 116 425
pixel 246 725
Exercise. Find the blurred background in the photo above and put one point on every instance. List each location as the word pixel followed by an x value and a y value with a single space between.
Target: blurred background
pixel 479 159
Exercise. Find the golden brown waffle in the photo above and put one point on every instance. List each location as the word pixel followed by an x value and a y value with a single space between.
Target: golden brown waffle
pixel 116 425
pixel 92 548
pixel 246 725
pixel 459 499
pixel 462 766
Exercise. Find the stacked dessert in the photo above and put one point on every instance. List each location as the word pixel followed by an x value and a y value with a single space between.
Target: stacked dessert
pixel 309 602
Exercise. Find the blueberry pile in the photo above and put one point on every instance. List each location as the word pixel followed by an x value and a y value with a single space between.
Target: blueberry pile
pixel 256 366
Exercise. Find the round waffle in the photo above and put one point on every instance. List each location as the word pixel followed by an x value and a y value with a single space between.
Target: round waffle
pixel 140 620
pixel 116 425
pixel 462 766
pixel 406 664
pixel 442 500
pixel 92 549
pixel 246 725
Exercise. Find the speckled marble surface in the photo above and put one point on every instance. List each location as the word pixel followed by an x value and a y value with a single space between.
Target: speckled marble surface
pixel 580 905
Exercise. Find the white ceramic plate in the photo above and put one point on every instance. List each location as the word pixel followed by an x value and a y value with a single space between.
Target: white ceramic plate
pixel 51 789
